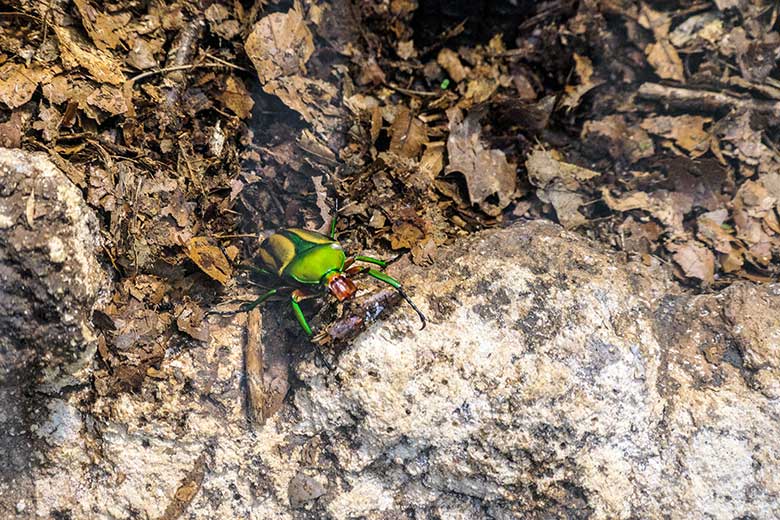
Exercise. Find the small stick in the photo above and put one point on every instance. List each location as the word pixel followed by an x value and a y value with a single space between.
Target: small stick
pixel 253 369
pixel 704 99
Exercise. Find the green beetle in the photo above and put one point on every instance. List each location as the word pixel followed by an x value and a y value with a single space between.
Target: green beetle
pixel 303 261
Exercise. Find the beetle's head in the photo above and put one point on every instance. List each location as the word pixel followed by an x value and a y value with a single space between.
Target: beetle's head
pixel 340 286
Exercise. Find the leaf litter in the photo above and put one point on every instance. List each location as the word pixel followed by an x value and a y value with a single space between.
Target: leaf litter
pixel 651 126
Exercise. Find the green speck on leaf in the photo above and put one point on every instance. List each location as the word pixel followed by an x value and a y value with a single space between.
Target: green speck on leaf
pixel 445 84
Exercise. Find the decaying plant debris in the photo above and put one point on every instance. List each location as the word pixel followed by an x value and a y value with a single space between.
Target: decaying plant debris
pixel 195 127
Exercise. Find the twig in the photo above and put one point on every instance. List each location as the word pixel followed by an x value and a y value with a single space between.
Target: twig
pixel 226 63
pixel 680 97
pixel 253 369
pixel 165 70
pixel 409 92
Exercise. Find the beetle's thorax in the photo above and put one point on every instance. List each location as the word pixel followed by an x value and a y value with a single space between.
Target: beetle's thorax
pixel 340 285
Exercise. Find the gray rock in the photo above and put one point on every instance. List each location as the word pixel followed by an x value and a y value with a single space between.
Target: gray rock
pixel 554 380
pixel 49 280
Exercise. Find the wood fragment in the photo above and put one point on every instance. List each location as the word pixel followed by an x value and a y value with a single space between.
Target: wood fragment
pixel 253 365
pixel 705 100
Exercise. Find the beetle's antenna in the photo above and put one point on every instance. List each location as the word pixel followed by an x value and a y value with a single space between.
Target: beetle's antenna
pixel 335 218
pixel 418 311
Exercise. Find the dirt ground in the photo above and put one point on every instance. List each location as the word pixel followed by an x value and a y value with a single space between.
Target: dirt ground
pixel 193 128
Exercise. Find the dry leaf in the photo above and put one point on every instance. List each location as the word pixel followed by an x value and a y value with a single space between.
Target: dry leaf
pixel 18 83
pixel 622 141
pixel 695 260
pixel 449 61
pixel 209 258
pixel 237 98
pixel 584 69
pixel 544 167
pixel 405 236
pixel 663 57
pixel 280 45
pixel 432 160
pixel 75 50
pixel 557 183
pixel 407 134
pixel 11 131
pixel 488 173
pixel 190 320
pixel 105 30
pixel 711 230
pixel 110 99
pixel 686 130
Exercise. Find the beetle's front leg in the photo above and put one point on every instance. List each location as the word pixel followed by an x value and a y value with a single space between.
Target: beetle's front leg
pixel 295 298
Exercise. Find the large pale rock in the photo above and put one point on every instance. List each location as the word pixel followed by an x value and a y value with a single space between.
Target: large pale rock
pixel 554 381
pixel 49 280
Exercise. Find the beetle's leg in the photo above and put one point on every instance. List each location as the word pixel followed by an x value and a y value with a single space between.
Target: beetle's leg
pixel 246 307
pixel 371 260
pixel 297 296
pixel 356 270
pixel 389 280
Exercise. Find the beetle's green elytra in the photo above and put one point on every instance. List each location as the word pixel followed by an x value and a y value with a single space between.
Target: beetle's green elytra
pixel 299 259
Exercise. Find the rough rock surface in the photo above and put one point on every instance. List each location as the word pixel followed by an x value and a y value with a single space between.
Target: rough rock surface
pixel 49 280
pixel 554 381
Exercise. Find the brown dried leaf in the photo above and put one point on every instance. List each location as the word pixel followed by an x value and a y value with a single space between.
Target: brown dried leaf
pixel 18 83
pixel 405 236
pixel 432 160
pixel 280 45
pixel 584 70
pixel 686 130
pixel 711 230
pixel 557 184
pixel 237 98
pixel 141 55
pixel 632 143
pixel 190 320
pixel 105 30
pixel 75 50
pixel 487 172
pixel 407 134
pixel 449 61
pixel 311 98
pixel 664 59
pixel 11 131
pixel 695 260
pixel 566 204
pixel 209 258
pixel 545 167
pixel 49 119
pixel 668 207
pixel 110 99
